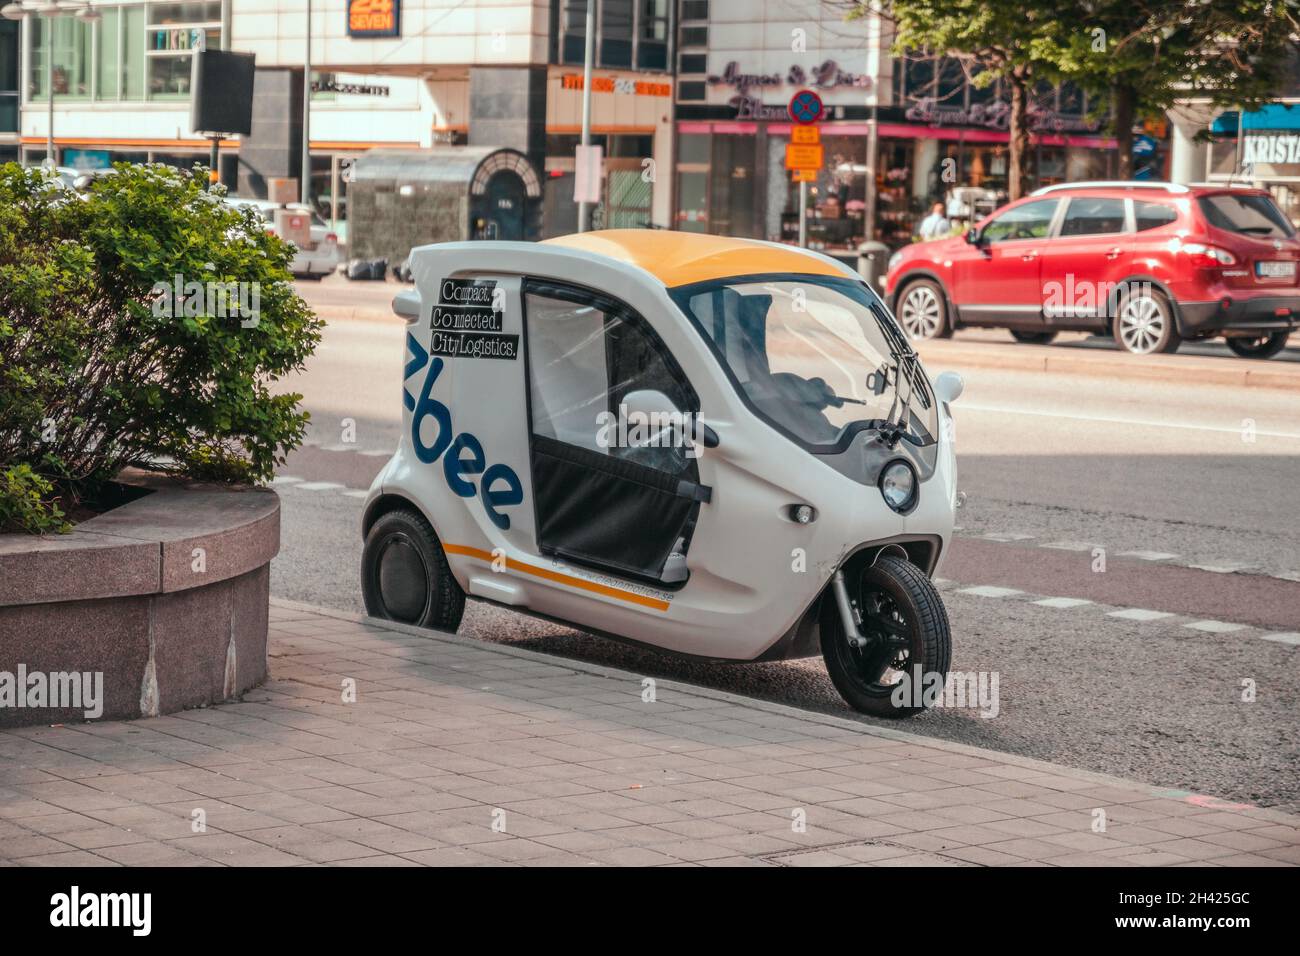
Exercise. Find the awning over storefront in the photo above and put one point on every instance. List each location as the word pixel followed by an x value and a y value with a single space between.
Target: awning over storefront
pixel 1273 116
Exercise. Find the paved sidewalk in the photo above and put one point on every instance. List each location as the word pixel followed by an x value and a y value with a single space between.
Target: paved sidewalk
pixel 462 753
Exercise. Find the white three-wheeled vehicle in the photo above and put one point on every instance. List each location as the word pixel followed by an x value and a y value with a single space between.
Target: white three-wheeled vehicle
pixel 716 447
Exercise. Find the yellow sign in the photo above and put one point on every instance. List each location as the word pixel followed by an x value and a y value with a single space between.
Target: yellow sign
pixel 806 135
pixel 804 176
pixel 803 157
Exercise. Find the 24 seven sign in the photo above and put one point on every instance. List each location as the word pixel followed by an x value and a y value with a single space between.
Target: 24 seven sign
pixel 374 18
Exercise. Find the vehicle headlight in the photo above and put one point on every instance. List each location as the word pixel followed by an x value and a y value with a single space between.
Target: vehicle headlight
pixel 894 260
pixel 898 485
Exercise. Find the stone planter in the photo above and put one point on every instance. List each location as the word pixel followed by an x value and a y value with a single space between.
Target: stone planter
pixel 162 602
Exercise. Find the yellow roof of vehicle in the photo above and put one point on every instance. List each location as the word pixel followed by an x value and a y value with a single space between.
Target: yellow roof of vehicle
pixel 680 258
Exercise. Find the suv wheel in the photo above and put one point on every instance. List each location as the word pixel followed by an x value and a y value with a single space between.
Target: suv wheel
pixel 1266 346
pixel 1144 323
pixel 923 311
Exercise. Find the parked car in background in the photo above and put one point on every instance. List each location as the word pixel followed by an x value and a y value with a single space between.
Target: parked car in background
pixel 318 257
pixel 1153 264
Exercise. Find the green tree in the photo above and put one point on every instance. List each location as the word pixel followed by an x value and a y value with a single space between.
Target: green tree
pixel 994 38
pixel 102 363
pixel 1141 56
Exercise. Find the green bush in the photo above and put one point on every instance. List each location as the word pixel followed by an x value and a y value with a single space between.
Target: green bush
pixel 100 368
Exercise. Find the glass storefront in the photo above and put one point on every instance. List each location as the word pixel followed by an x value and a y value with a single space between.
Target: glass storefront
pixel 133 52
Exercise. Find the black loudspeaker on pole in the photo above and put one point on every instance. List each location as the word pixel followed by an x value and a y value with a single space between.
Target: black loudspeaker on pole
pixel 221 98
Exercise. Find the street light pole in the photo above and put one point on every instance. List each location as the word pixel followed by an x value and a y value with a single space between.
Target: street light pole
pixel 49 10
pixel 306 117
pixel 584 208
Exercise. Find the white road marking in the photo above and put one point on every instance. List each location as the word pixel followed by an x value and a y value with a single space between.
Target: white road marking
pixel 1062 602
pixel 1147 555
pixel 1139 614
pixel 1105 419
pixel 1069 545
pixel 985 590
pixel 1226 567
pixel 1007 536
pixel 320 486
pixel 353 493
pixel 1288 638
pixel 285 480
pixel 377 452
pixel 1216 627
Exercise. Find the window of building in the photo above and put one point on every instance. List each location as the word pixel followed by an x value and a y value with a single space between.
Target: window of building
pixel 174 32
pixel 695 36
pixel 70 53
pixel 615 36
pixel 695 9
pixel 8 76
pixel 652 44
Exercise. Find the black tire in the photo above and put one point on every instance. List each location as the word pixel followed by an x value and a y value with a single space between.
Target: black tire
pixel 1137 304
pixel 922 310
pixel 1264 347
pixel 856 673
pixel 404 574
pixel 1032 338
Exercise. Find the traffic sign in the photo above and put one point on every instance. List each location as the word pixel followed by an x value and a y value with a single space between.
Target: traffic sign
pixel 806 135
pixel 804 176
pixel 803 157
pixel 805 107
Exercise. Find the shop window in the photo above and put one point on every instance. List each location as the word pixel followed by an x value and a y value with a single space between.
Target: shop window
pixel 693 148
pixel 1072 100
pixel 71 56
pixel 693 201
pixel 175 31
pixel 950 82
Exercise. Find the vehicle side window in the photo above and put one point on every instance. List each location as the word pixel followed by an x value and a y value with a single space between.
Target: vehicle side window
pixel 1152 215
pixel 1092 216
pixel 1030 221
pixel 585 355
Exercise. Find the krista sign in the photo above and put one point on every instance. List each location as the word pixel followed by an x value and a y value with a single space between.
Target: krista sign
pixel 374 18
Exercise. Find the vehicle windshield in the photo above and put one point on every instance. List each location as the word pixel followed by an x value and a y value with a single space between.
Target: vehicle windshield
pixel 817 357
pixel 1249 215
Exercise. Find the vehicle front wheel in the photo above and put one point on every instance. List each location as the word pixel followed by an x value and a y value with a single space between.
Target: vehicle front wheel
pixel 1144 323
pixel 1032 338
pixel 404 574
pixel 1263 347
pixel 923 311
pixel 906 630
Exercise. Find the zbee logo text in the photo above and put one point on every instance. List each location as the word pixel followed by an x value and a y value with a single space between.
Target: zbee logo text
pixel 75 909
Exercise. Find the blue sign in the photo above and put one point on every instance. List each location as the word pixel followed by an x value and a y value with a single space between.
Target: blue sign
pixel 805 107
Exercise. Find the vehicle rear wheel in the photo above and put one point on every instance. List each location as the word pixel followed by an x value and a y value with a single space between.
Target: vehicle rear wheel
pixel 923 311
pixel 906 626
pixel 1144 323
pixel 404 574
pixel 1033 338
pixel 1263 347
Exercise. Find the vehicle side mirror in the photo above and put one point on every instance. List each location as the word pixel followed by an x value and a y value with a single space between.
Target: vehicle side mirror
pixel 660 411
pixel 973 235
pixel 407 305
pixel 948 387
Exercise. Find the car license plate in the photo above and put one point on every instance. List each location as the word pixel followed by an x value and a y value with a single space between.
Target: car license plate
pixel 1275 269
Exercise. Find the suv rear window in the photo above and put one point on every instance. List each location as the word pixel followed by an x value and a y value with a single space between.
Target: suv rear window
pixel 1247 215
pixel 1152 215
pixel 1090 216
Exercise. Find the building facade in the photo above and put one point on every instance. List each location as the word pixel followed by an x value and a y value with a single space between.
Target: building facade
pixel 482 72
pixel 938 137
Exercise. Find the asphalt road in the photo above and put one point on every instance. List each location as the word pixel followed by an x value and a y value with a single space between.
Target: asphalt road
pixel 1189 492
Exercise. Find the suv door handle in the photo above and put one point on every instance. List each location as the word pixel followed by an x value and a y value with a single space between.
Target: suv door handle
pixel 1030 256
pixel 1114 253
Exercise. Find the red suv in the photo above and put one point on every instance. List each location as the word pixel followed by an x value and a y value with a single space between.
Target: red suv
pixel 1151 263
